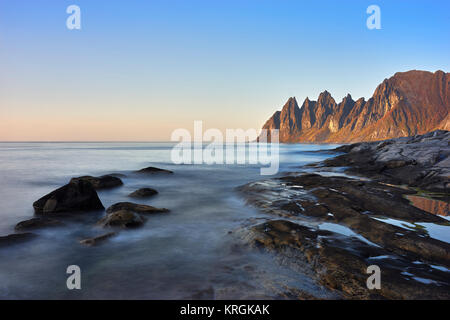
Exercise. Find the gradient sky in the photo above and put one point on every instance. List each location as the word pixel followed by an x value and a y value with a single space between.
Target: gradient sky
pixel 137 70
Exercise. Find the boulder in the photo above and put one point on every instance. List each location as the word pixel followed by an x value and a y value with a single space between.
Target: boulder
pixel 143 193
pixel 35 223
pixel 76 196
pixel 103 182
pixel 123 219
pixel 134 207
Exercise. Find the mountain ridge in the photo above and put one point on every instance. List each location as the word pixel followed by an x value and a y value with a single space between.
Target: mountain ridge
pixel 408 103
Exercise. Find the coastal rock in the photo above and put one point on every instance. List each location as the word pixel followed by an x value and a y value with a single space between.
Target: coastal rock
pixel 153 170
pixel 341 263
pixel 97 240
pixel 143 193
pixel 77 196
pixel 361 206
pixel 134 207
pixel 35 223
pixel 103 182
pixel 15 238
pixel 123 219
pixel 421 161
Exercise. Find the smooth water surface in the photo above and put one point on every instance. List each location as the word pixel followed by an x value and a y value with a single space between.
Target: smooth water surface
pixel 187 253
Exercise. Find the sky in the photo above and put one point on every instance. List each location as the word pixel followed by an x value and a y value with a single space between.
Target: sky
pixel 138 70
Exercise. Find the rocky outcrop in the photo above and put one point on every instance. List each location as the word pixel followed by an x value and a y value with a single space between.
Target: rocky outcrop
pixel 122 219
pixel 421 161
pixel 153 170
pixel 341 263
pixel 409 103
pixel 339 226
pixel 128 215
pixel 143 193
pixel 77 196
pixel 103 182
pixel 36 223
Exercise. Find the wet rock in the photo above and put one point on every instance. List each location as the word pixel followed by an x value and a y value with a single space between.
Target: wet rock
pixel 134 207
pixel 15 238
pixel 340 263
pixel 153 170
pixel 354 204
pixel 143 193
pixel 77 196
pixel 103 182
pixel 35 223
pixel 97 240
pixel 358 208
pixel 123 219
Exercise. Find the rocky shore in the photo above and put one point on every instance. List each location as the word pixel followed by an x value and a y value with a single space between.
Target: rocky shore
pixel 421 161
pixel 339 226
pixel 370 205
pixel 79 198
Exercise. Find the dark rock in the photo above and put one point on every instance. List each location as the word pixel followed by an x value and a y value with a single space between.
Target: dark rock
pixel 77 196
pixel 123 219
pixel 153 170
pixel 348 201
pixel 143 193
pixel 15 238
pixel 359 207
pixel 103 182
pixel 341 263
pixel 35 223
pixel 97 240
pixel 134 207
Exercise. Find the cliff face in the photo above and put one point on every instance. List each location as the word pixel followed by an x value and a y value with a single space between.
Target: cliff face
pixel 409 103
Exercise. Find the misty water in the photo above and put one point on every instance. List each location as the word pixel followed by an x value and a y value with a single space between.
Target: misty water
pixel 187 253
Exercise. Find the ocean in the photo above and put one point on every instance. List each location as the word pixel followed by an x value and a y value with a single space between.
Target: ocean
pixel 190 252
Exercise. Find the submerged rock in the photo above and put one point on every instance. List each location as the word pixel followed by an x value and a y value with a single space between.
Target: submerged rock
pixel 15 238
pixel 143 193
pixel 76 196
pixel 123 219
pixel 134 207
pixel 97 240
pixel 35 223
pixel 103 182
pixel 153 170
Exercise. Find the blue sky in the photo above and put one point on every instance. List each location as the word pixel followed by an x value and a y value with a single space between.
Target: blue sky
pixel 137 70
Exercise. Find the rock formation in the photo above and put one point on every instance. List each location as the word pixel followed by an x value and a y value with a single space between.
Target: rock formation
pixel 409 103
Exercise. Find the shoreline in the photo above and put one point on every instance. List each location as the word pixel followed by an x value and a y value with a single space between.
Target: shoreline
pixel 339 226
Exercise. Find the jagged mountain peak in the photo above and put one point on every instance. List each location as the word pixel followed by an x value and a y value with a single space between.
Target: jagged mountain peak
pixel 411 102
pixel 348 97
pixel 291 103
